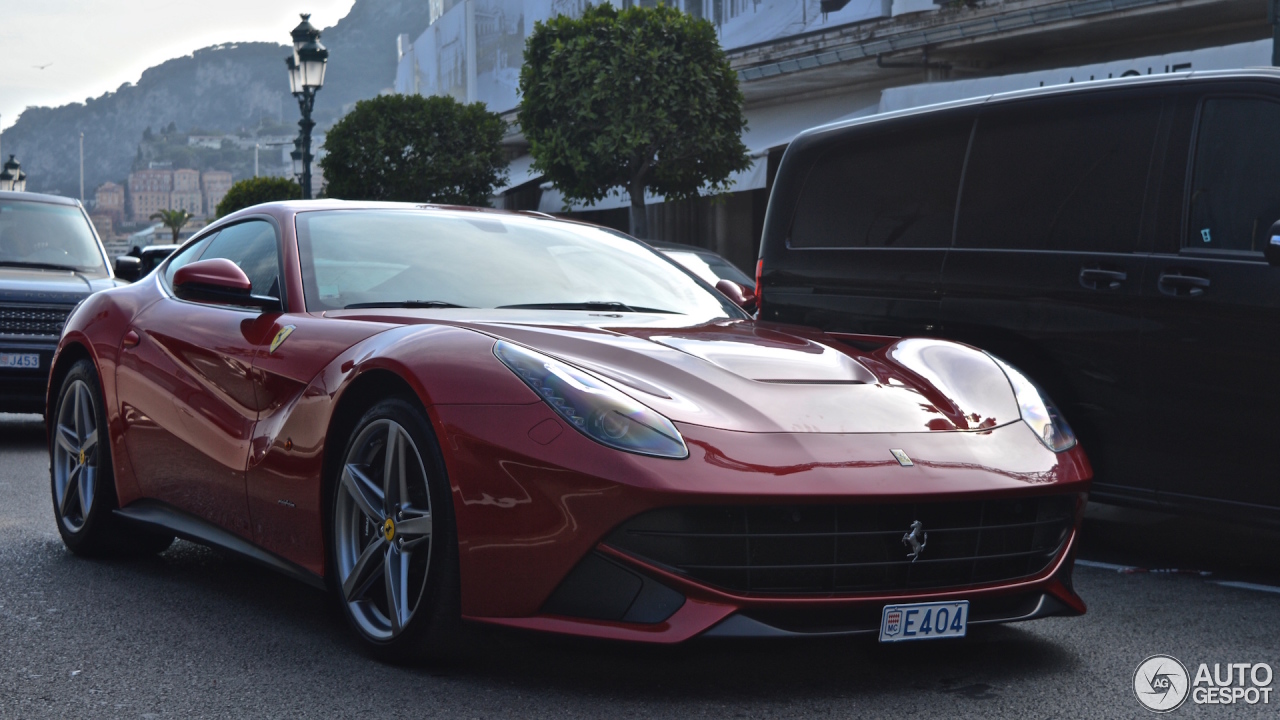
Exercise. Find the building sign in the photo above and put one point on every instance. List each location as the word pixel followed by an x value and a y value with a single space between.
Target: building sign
pixel 1227 57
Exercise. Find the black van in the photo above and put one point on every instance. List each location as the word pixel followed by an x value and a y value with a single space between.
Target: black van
pixel 1108 238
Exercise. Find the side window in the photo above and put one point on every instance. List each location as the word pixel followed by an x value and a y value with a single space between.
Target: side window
pixel 889 188
pixel 1235 185
pixel 183 256
pixel 1059 176
pixel 251 245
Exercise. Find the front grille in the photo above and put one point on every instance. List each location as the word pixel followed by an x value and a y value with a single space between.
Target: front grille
pixel 33 320
pixel 851 549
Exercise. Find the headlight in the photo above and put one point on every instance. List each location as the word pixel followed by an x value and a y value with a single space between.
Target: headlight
pixel 1038 410
pixel 597 410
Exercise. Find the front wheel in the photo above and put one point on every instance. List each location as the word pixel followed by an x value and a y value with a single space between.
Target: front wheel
pixel 392 539
pixel 81 475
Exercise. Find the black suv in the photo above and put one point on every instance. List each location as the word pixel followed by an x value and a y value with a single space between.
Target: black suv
pixel 1109 238
pixel 50 260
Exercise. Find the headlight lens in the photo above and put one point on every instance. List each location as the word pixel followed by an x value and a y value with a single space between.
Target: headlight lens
pixel 597 410
pixel 1038 410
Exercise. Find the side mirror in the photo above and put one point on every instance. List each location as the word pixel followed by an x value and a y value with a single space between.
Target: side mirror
pixel 128 268
pixel 1272 250
pixel 219 281
pixel 741 296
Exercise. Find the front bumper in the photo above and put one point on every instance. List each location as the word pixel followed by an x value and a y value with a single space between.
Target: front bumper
pixel 534 507
pixel 23 390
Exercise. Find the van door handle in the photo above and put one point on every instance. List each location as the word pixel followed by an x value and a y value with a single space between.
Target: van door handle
pixel 1172 283
pixel 1099 279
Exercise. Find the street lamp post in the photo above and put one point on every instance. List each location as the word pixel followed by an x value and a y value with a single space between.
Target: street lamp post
pixel 12 177
pixel 306 77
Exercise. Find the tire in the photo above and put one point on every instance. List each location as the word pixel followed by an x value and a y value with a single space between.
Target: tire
pixel 81 476
pixel 379 530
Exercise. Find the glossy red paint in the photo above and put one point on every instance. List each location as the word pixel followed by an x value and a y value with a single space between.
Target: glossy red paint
pixel 207 414
pixel 218 273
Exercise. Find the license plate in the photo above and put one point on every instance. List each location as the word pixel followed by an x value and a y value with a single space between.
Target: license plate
pixel 30 361
pixel 924 621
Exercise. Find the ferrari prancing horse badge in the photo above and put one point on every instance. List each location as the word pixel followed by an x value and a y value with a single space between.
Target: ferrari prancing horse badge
pixel 281 336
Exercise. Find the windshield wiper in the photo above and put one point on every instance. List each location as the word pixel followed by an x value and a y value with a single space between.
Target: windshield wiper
pixel 402 304
pixel 38 265
pixel 590 305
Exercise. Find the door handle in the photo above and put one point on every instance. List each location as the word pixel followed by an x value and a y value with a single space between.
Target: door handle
pixel 1099 279
pixel 1183 285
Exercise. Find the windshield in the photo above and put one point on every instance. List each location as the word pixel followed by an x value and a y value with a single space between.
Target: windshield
pixel 366 258
pixel 48 236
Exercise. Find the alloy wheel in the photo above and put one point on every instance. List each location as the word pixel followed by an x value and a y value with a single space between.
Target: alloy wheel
pixel 382 529
pixel 75 456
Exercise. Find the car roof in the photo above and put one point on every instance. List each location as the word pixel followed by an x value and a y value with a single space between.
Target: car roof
pixel 1051 91
pixel 38 197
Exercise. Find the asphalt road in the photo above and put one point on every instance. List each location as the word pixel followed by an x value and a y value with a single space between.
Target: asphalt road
pixel 195 633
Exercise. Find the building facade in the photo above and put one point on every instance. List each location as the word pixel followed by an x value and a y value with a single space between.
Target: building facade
pixel 214 184
pixel 186 192
pixel 156 189
pixel 108 199
pixel 149 192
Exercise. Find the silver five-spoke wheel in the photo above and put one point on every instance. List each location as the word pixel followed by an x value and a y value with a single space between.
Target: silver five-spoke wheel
pixel 382 529
pixel 75 456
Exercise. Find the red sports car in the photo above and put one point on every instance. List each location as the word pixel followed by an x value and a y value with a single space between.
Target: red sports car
pixel 447 414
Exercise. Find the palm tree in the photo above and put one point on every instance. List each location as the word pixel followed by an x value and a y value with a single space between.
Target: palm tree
pixel 172 219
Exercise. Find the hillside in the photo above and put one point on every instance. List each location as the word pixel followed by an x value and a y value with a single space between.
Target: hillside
pixel 220 88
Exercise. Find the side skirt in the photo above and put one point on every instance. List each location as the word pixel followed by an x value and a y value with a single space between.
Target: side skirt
pixel 190 527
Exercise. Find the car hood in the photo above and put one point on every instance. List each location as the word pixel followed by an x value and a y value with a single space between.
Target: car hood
pixel 52 287
pixel 754 377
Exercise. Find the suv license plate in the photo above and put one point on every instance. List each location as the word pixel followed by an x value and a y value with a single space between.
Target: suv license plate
pixel 30 361
pixel 924 621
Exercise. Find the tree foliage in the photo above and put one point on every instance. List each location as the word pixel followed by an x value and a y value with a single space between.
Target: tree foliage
pixel 416 149
pixel 175 220
pixel 632 99
pixel 252 191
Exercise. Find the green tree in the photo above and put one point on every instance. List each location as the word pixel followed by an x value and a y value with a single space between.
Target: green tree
pixel 417 149
pixel 175 220
pixel 252 191
pixel 635 99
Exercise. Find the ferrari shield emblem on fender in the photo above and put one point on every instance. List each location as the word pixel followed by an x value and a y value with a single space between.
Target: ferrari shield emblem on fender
pixel 902 458
pixel 280 337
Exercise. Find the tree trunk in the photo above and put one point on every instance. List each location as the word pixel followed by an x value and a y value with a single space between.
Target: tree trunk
pixel 639 221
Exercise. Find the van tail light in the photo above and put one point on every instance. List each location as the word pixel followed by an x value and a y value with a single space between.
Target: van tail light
pixel 759 288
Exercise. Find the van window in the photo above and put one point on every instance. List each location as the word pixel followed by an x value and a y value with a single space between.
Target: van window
pixel 1059 176
pixel 1235 188
pixel 886 188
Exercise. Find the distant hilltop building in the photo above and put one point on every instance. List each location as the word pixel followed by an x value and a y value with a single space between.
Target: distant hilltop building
pixel 159 188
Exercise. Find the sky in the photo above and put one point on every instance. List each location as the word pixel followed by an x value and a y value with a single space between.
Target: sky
pixel 88 47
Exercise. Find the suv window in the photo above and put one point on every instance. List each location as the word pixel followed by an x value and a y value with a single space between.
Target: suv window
pixel 894 188
pixel 1059 176
pixel 252 246
pixel 1235 188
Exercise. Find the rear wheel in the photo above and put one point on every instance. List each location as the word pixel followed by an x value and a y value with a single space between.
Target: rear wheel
pixel 393 547
pixel 81 477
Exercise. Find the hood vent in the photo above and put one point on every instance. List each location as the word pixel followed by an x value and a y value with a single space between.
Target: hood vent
pixel 793 360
